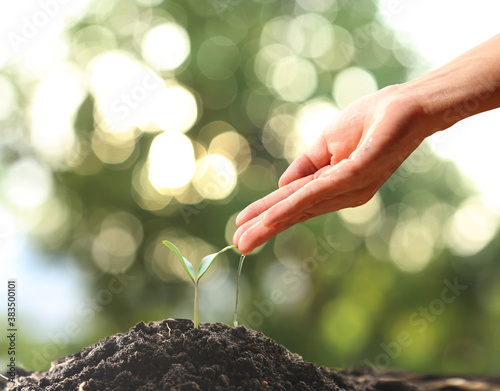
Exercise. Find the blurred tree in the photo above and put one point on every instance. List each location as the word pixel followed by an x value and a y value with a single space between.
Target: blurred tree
pixel 184 112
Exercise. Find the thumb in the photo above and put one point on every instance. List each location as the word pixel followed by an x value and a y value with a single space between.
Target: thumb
pixel 309 162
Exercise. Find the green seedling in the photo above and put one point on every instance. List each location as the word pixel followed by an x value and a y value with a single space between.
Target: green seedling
pixel 205 263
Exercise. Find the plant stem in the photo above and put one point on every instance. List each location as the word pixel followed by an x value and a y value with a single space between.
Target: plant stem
pixel 196 304
pixel 235 321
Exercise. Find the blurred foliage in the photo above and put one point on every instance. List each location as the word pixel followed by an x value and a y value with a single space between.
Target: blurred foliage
pixel 362 286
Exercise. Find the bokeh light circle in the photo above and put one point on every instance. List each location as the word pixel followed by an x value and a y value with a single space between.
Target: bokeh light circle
pixel 351 84
pixel 28 183
pixel 215 177
pixel 177 109
pixel 166 46
pixel 313 118
pixel 471 228
pixel 171 160
pixel 294 79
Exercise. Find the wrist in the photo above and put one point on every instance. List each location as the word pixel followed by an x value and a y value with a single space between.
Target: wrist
pixel 412 99
pixel 464 87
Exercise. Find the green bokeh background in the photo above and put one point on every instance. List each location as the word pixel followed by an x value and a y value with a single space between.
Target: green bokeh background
pixel 335 289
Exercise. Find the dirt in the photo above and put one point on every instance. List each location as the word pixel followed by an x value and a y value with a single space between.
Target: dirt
pixel 172 355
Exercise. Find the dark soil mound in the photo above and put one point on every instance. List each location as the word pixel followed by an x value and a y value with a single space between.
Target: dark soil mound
pixel 172 355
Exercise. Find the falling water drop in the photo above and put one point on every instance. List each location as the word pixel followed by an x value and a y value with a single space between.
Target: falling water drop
pixel 235 321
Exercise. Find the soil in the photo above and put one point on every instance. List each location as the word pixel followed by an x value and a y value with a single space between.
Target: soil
pixel 172 355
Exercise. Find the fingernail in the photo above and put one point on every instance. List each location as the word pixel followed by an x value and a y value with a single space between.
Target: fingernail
pixel 236 237
pixel 239 218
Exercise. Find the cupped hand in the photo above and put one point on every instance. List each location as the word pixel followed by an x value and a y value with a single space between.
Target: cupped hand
pixel 354 156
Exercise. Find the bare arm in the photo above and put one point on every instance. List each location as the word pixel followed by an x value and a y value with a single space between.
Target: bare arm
pixel 468 85
pixel 369 140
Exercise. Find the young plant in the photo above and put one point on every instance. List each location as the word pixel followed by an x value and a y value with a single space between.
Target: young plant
pixel 205 263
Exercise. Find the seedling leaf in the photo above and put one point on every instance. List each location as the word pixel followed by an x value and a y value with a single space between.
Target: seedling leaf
pixel 184 262
pixel 208 260
pixel 204 265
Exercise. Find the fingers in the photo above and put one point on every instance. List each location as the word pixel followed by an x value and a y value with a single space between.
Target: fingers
pixel 265 203
pixel 256 232
pixel 299 202
pixel 331 182
pixel 307 163
pixel 300 167
pixel 250 220
pixel 245 227
pixel 305 198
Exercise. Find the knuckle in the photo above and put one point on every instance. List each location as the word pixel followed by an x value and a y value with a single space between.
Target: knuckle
pixel 360 198
pixel 356 176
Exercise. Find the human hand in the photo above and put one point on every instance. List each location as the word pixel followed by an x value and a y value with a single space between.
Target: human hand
pixel 345 167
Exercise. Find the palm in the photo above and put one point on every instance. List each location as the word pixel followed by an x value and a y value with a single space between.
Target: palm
pixel 353 157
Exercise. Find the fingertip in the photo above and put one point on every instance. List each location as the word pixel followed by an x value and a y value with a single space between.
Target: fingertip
pixel 282 182
pixel 245 216
pixel 236 237
pixel 242 232
pixel 244 247
pixel 287 177
pixel 240 219
pixel 244 252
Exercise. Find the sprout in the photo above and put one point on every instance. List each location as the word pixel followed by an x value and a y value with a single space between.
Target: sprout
pixel 206 262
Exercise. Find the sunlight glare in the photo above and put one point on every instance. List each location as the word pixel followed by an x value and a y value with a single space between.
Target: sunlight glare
pixel 129 95
pixel 176 109
pixel 313 119
pixel 171 161
pixel 166 47
pixel 126 92
pixel 56 100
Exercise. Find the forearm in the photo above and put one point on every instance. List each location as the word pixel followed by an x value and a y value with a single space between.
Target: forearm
pixel 468 85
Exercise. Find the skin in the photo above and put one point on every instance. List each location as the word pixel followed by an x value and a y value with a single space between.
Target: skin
pixel 363 146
